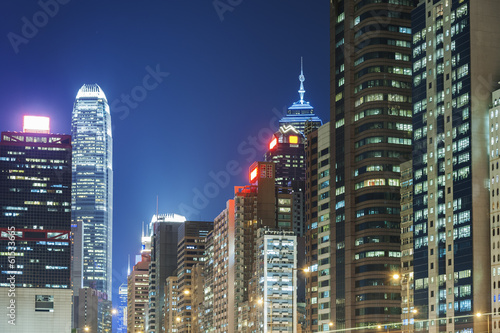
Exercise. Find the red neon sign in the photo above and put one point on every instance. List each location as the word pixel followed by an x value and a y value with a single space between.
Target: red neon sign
pixel 273 143
pixel 253 174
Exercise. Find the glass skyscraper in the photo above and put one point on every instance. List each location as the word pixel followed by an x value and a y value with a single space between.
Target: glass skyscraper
pixel 92 195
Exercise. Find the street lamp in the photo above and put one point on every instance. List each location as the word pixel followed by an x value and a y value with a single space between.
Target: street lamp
pixel 294 301
pixel 479 314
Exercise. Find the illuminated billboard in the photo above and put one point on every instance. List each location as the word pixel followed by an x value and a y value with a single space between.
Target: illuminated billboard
pixel 36 124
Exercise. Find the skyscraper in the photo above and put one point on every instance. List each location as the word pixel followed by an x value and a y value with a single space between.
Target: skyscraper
pixel 35 226
pixel 163 237
pixel 190 250
pixel 301 112
pixel 370 135
pixel 122 309
pixel 92 194
pixel 456 67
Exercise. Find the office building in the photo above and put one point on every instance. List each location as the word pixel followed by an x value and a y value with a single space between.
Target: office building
pixel 92 194
pixel 286 150
pixel 35 225
pixel 122 309
pixel 190 250
pixel 163 241
pixel 455 67
pixel 301 112
pixel 137 296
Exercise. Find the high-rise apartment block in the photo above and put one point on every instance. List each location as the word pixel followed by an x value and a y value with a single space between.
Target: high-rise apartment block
pixel 370 135
pixel 92 194
pixel 35 225
pixel 455 65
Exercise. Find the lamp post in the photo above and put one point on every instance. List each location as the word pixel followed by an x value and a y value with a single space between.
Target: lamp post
pixel 479 314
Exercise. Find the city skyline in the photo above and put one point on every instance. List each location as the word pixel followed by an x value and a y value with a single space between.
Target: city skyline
pixel 266 69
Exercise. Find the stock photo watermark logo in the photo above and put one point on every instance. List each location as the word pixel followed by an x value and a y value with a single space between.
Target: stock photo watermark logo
pixel 249 149
pixel 30 28
pixel 223 6
pixel 150 82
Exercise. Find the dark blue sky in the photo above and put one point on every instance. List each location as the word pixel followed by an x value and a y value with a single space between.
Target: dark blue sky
pixel 225 77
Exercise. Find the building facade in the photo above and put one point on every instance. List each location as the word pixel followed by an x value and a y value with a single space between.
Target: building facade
pixel 92 194
pixel 35 226
pixel 137 296
pixel 190 251
pixel 224 307
pixel 163 243
pixel 122 309
pixel 370 128
pixel 455 68
pixel 276 281
pixel 318 227
pixel 406 275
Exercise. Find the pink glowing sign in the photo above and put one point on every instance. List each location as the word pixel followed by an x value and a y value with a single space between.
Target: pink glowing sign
pixel 36 124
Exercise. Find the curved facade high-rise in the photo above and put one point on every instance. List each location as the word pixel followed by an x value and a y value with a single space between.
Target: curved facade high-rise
pixel 370 136
pixel 92 194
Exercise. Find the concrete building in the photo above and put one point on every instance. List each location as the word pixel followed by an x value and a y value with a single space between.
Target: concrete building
pixel 35 225
pixel 137 296
pixel 318 227
pixel 276 281
pixel 455 69
pixel 224 274
pixel 190 251
pixel 171 318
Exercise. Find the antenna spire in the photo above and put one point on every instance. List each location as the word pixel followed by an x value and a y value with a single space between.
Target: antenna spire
pixel 301 79
pixel 128 263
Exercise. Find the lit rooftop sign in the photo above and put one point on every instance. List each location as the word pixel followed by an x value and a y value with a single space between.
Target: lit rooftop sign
pixel 293 139
pixel 36 124
pixel 253 174
pixel 273 143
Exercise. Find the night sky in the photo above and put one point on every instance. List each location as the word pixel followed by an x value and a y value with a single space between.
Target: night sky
pixel 218 76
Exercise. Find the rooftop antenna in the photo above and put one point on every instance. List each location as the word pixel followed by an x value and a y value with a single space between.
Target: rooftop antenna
pixel 302 78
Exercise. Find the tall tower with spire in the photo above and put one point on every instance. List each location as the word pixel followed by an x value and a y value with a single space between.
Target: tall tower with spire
pixel 301 112
pixel 92 193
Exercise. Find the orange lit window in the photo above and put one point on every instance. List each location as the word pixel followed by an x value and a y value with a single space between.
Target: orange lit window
pixel 293 139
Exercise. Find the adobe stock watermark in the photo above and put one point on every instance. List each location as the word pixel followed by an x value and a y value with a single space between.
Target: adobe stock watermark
pixel 11 259
pixel 247 149
pixel 137 94
pixel 30 28
pixel 223 6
